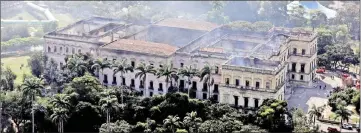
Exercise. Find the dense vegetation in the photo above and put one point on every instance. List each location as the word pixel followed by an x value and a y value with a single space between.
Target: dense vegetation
pixel 82 103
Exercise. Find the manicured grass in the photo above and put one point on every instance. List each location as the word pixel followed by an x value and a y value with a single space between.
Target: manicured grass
pixel 64 19
pixel 14 63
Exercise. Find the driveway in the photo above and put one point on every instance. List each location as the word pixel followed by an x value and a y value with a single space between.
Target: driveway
pixel 303 98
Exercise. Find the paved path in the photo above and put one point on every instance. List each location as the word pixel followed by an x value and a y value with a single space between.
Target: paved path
pixel 324 126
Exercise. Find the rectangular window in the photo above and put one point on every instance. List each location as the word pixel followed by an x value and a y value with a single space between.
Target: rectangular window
pixel 205 87
pixel 105 79
pixel 151 85
pixel 160 87
pixel 194 85
pixel 237 82
pixel 141 84
pixel 302 68
pixel 61 49
pixel 294 51
pixel 235 101
pixel 114 80
pixel 55 49
pixel 303 51
pixel 245 101
pixel 216 70
pixel 293 67
pixel 257 85
pixel 227 81
pixel 79 50
pixel 292 76
pixel 132 84
pixel 215 90
pixel 301 77
pixel 204 95
pixel 73 51
pixel 123 81
pixel 181 64
pixel 133 63
pixel 247 83
pixel 256 103
pixel 181 84
pixel 150 94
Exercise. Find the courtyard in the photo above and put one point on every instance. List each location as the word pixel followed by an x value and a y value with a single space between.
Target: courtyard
pixel 304 98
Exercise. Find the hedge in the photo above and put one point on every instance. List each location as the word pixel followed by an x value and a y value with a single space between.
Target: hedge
pixel 21 43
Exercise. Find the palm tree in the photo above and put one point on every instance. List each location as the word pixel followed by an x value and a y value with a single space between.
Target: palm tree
pixel 171 123
pixel 76 64
pixel 122 67
pixel 60 101
pixel 142 74
pixel 316 112
pixel 189 72
pixel 192 121
pixel 31 88
pixel 343 113
pixel 108 104
pixel 59 116
pixel 167 71
pixel 206 77
pixel 100 64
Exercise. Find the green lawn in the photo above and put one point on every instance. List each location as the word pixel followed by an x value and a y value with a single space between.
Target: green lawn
pixel 14 63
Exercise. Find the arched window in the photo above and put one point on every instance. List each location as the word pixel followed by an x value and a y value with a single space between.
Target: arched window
pixel 66 50
pixel 49 49
pixel 73 51
pixel 79 50
pixel 54 48
pixel 61 49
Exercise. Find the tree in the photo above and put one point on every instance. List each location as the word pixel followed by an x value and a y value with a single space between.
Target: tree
pixel 99 65
pixel 122 67
pixel 272 115
pixel 143 70
pixel 211 126
pixel 61 101
pixel 37 62
pixel 167 71
pixel 192 122
pixel 172 123
pixel 76 65
pixel 317 19
pixel 343 113
pixel 296 16
pixel 60 116
pixel 356 102
pixel 7 79
pixel 316 112
pixel 188 72
pixel 275 12
pixel 216 15
pixel 109 104
pixel 31 88
pixel 206 77
pixel 120 126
